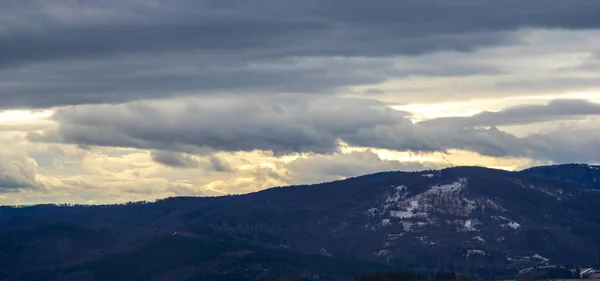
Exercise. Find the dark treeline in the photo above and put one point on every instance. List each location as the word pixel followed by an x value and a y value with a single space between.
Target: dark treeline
pixel 409 276
pixel 399 276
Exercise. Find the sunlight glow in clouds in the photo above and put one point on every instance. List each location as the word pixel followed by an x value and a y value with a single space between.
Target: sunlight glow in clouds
pixel 231 97
pixel 9 116
pixel 427 111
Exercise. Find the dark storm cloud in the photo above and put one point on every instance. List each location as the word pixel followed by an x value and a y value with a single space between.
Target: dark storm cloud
pixel 560 109
pixel 283 125
pixel 136 78
pixel 291 125
pixel 73 52
pixel 140 77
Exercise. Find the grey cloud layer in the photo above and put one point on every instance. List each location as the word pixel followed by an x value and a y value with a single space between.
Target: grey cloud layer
pixel 526 114
pixel 183 160
pixel 333 167
pixel 74 52
pixel 579 143
pixel 234 124
pixel 316 126
pixel 268 27
pixel 17 172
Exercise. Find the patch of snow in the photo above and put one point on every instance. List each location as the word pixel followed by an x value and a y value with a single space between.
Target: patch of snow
pixel 409 208
pixel 407 226
pixel 398 205
pixel 493 205
pixel 519 183
pixel 447 188
pixel 324 252
pixel 468 226
pixel 538 257
pixel 478 238
pixel 513 225
pixel 399 194
pixel 394 198
pixel 509 223
pixel 401 214
pixel 428 175
pixel 585 271
pixel 471 204
pixel 548 266
pixel 413 205
pixel 525 270
pixel 380 253
pixel 518 259
pixel 372 212
pixel 558 194
pixel 409 213
pixel 424 240
pixel 476 252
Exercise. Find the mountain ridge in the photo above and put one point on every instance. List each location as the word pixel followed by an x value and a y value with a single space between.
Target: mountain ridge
pixel 469 219
pixel 588 176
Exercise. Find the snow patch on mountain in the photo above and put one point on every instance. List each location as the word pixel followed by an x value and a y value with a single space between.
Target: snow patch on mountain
pixel 447 188
pixel 398 195
pixel 513 225
pixel 507 223
pixel 420 203
pixel 381 253
pixel 471 204
pixel 538 257
pixel 372 212
pixel 407 226
pixel 424 240
pixel 409 212
pixel 478 238
pixel 469 225
pixel 558 194
pixel 475 252
pixel 324 252
pixel 414 211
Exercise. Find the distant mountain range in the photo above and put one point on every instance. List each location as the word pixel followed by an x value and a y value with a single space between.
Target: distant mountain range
pixel 586 176
pixel 474 220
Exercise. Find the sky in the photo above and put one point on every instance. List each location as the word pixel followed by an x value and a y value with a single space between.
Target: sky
pixel 110 101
